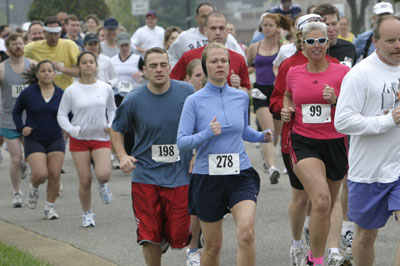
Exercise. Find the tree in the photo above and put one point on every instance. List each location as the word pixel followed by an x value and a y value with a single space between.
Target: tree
pixel 357 20
pixel 40 9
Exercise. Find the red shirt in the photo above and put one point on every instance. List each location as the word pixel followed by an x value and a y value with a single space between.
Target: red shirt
pixel 237 64
pixel 276 101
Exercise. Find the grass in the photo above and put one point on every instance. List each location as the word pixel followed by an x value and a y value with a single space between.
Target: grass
pixel 11 256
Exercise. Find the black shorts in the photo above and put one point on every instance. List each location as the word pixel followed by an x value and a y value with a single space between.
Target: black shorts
pixel 332 152
pixel 294 181
pixel 266 91
pixel 211 197
pixel 31 146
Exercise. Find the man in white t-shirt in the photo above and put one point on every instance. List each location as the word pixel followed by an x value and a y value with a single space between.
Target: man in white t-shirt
pixel 368 110
pixel 194 38
pixel 148 36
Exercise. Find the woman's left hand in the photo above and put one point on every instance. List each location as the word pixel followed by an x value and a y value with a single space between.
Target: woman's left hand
pixel 269 135
pixel 329 94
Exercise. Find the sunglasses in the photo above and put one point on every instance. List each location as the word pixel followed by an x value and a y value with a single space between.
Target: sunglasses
pixel 321 19
pixel 319 40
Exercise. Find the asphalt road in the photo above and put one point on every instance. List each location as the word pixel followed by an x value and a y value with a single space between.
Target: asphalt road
pixel 114 237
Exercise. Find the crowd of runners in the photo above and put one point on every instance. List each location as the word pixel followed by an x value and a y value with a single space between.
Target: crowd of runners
pixel 173 108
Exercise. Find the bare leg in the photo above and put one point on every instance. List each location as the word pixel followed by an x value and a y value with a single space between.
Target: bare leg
pixel 266 122
pixel 336 225
pixel 101 158
pixel 55 162
pixel 14 148
pixel 297 212
pixel 212 233
pixel 82 165
pixel 152 254
pixel 195 229
pixel 364 246
pixel 38 163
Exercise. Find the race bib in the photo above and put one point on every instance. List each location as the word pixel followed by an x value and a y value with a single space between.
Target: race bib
pixel 125 87
pixel 316 113
pixel 223 164
pixel 168 153
pixel 17 89
pixel 257 94
pixel 60 64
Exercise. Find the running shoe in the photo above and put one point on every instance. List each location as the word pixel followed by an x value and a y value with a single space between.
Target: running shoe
pixel 273 175
pixel 306 262
pixel 115 162
pixel 335 259
pixel 306 233
pixel 297 256
pixel 346 243
pixel 88 219
pixel 164 246
pixel 33 195
pixel 193 258
pixel 17 200
pixel 105 192
pixel 50 213
pixel 25 170
pixel 284 171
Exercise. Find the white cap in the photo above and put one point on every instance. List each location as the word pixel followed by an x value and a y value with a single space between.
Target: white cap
pixel 25 26
pixel 383 7
pixel 303 20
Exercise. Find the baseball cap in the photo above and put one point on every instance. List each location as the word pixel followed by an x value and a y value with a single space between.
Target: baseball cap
pixel 303 20
pixel 123 38
pixel 382 8
pixel 110 23
pixel 151 14
pixel 90 37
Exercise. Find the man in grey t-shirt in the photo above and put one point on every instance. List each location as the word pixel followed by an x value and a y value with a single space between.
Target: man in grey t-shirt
pixel 109 46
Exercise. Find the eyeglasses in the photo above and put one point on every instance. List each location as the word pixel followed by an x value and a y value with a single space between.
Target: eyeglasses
pixel 319 40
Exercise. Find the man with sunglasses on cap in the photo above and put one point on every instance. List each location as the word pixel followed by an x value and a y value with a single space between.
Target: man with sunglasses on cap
pixel 62 52
pixel 148 36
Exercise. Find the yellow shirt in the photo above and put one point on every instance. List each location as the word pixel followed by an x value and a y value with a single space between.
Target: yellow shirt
pixel 349 39
pixel 65 53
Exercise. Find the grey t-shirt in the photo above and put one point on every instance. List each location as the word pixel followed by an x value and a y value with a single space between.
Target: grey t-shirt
pixel 110 52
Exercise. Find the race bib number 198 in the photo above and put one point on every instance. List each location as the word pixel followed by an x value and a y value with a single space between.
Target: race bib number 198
pixel 223 164
pixel 165 153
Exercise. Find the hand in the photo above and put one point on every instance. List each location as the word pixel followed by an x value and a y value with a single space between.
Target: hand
pixel 396 116
pixel 26 131
pixel 286 114
pixel 56 65
pixel 329 94
pixel 269 135
pixel 191 164
pixel 127 163
pixel 107 130
pixel 235 80
pixel 215 126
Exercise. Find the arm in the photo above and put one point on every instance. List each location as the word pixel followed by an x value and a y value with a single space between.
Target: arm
pixel 249 134
pixel 127 163
pixel 73 71
pixel 250 57
pixel 186 140
pixel 276 100
pixel 178 72
pixel 288 107
pixel 110 107
pixel 349 118
pixel 62 116
pixel 19 107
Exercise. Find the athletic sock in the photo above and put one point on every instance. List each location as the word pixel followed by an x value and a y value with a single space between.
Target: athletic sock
pixel 347 226
pixel 297 243
pixel 307 222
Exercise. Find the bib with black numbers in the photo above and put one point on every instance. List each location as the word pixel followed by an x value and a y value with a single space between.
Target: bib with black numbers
pixel 166 153
pixel 125 86
pixel 316 113
pixel 223 164
pixel 17 89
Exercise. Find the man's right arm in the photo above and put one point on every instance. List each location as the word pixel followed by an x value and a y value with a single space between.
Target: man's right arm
pixel 127 163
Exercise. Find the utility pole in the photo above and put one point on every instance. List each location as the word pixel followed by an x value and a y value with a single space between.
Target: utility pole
pixel 188 17
pixel 8 11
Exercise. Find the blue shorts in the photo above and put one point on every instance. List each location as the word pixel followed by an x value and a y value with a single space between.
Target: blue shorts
pixel 211 197
pixel 9 133
pixel 371 205
pixel 32 146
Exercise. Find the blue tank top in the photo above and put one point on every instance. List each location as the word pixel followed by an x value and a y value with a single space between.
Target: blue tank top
pixel 263 65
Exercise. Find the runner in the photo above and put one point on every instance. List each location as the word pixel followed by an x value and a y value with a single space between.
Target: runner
pixel 170 35
pixel 260 57
pixel 35 31
pixel 109 46
pixel 214 121
pixel 43 139
pixel 12 83
pixel 160 178
pixel 195 74
pixel 317 151
pixel 92 104
pixel 368 110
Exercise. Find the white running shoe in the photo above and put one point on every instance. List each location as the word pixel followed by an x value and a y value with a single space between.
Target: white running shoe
pixel 346 243
pixel 25 170
pixel 17 200
pixel 33 195
pixel 50 213
pixel 115 162
pixel 273 175
pixel 88 219
pixel 105 192
pixel 297 255
pixel 335 259
pixel 193 258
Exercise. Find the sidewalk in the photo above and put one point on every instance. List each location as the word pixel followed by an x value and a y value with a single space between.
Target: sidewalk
pixel 49 250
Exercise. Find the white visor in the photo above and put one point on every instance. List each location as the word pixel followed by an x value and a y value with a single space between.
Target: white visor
pixel 52 29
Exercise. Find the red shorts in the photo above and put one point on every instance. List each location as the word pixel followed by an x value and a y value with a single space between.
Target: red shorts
pixel 161 213
pixel 87 145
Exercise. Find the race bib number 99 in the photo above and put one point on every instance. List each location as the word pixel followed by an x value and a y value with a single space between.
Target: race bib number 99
pixel 316 113
pixel 17 89
pixel 165 153
pixel 223 164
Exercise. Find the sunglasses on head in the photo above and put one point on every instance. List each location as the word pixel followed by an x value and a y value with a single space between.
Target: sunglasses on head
pixel 316 19
pixel 319 40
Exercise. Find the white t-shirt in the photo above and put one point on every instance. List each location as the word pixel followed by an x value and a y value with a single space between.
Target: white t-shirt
pixel 2 45
pixel 285 51
pixel 89 104
pixel 146 37
pixel 106 71
pixel 125 70
pixel 193 39
pixel 368 95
